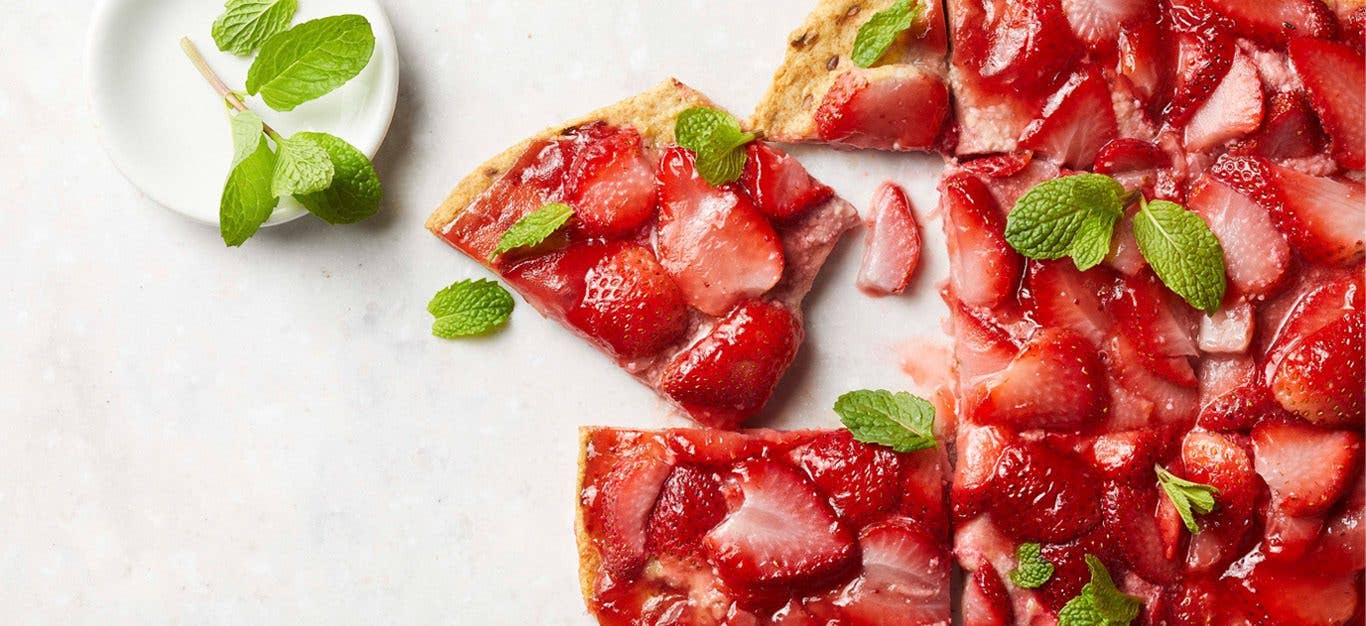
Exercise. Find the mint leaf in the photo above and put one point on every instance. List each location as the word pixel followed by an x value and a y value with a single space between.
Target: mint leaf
pixel 246 24
pixel 469 307
pixel 877 34
pixel 1189 498
pixel 899 420
pixel 533 228
pixel 715 137
pixel 310 60
pixel 1068 216
pixel 355 191
pixel 1031 569
pixel 247 202
pixel 302 166
pixel 1183 252
pixel 1100 603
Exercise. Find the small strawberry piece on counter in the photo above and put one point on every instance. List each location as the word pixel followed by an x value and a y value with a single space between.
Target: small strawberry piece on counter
pixel 891 250
pixel 771 529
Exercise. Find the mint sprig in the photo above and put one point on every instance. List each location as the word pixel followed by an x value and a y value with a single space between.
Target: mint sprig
pixel 324 173
pixel 876 35
pixel 1031 569
pixel 1076 216
pixel 715 137
pixel 246 24
pixel 1189 498
pixel 900 421
pixel 1183 252
pixel 310 60
pixel 533 228
pixel 1100 602
pixel 469 307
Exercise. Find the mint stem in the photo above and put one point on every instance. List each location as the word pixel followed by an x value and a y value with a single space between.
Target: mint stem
pixel 218 85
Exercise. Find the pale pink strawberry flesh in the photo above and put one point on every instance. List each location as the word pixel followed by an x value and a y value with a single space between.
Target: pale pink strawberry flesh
pixel 781 552
pixel 892 245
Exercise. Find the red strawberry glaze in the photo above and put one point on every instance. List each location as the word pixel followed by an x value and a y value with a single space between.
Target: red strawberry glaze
pixel 694 289
pixel 703 528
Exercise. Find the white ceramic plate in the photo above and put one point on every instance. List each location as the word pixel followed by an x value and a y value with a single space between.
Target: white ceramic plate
pixel 167 130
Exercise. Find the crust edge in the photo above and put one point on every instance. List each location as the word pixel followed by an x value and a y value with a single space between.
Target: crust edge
pixel 590 559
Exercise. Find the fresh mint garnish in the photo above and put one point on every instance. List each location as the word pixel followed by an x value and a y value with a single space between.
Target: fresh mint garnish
pixel 533 228
pixel 355 191
pixel 1183 252
pixel 877 34
pixel 1189 498
pixel 246 24
pixel 469 307
pixel 310 60
pixel 715 137
pixel 899 420
pixel 1067 216
pixel 1031 569
pixel 1100 603
pixel 302 166
pixel 247 201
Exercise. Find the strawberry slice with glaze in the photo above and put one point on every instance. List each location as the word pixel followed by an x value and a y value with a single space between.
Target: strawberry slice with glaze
pixel 1056 381
pixel 1203 53
pixel 610 184
pixel 892 246
pixel 1333 74
pixel 892 107
pixel 1098 22
pixel 630 303
pixel 1278 20
pixel 781 532
pixel 1233 110
pixel 1042 494
pixel 1322 215
pixel 779 185
pixel 1319 378
pixel 985 267
pixel 1289 131
pixel 712 240
pixel 1256 256
pixel 1145 315
pixel 1217 460
pixel 1061 295
pixel 623 507
pixel 905 578
pixel 1308 469
pixel 986 601
pixel 730 373
pixel 1076 121
pixel 863 481
pixel 690 504
pixel 1025 47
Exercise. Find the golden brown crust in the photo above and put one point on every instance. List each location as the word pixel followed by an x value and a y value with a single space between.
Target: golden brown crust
pixel 817 52
pixel 651 112
pixel 590 560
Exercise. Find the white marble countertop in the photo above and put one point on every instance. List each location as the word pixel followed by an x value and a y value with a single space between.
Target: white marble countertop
pixel 196 435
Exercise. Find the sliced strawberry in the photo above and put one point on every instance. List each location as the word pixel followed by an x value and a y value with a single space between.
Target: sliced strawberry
pixel 979 451
pixel 1352 20
pixel 781 533
pixel 1290 130
pixel 985 269
pixel 981 347
pixel 1017 47
pixel 1341 549
pixel 891 107
pixel 1056 381
pixel 1324 299
pixel 1214 459
pixel 1232 396
pixel 1256 256
pixel 712 240
pixel 1167 401
pixel 1128 455
pixel 1145 315
pixel 1142 60
pixel 537 177
pixel 710 447
pixel 1131 533
pixel 730 373
pixel 1322 216
pixel 555 281
pixel 1070 573
pixel 862 481
pixel 892 249
pixel 1127 154
pixel 623 507
pixel 1233 109
pixel 1320 377
pixel 985 600
pixel 1294 594
pixel 1278 20
pixel 999 165
pixel 1097 22
pixel 1076 121
pixel 689 505
pixel 1125 257
pixel 1333 73
pixel 1308 469
pixel 1228 330
pixel 780 187
pixel 923 490
pixel 1204 52
pixel 905 579
pixel 1040 494
pixel 610 184
pixel 1060 295
pixel 630 303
